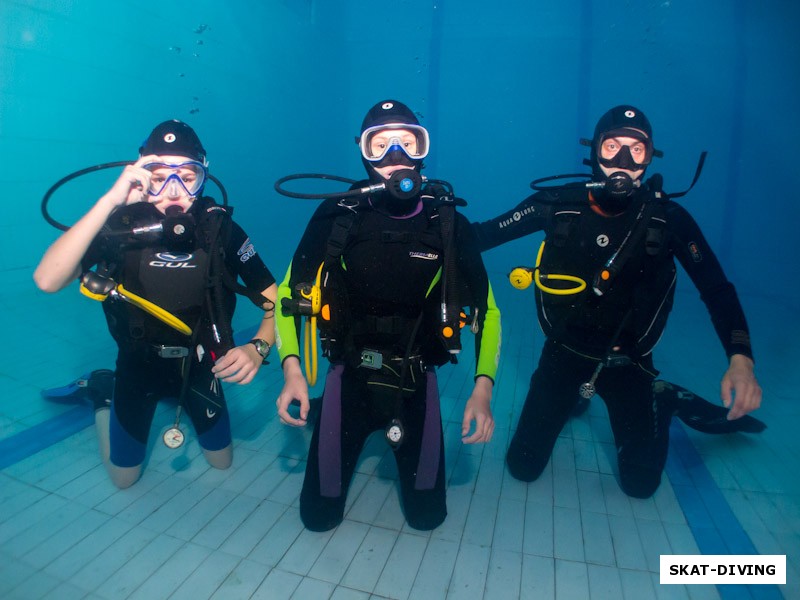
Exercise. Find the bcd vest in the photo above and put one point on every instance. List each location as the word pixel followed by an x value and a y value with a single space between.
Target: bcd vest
pixel 580 242
pixel 379 274
pixel 183 280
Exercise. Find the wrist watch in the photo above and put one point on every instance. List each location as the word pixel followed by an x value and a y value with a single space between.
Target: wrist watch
pixel 262 347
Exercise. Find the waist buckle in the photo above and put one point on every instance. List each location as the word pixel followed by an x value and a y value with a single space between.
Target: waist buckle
pixel 171 351
pixel 371 359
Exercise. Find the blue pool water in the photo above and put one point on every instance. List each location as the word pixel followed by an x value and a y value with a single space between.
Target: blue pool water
pixel 506 89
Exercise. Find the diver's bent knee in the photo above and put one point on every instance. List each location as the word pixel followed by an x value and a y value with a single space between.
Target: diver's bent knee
pixel 523 465
pixel 219 459
pixel 124 477
pixel 424 509
pixel 640 483
pixel 321 513
pixel 319 521
pixel 426 521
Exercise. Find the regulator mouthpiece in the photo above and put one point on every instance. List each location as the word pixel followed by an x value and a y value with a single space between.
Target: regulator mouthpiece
pixel 404 184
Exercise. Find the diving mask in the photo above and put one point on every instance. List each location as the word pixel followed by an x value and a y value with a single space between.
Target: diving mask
pixel 188 177
pixel 613 153
pixel 376 142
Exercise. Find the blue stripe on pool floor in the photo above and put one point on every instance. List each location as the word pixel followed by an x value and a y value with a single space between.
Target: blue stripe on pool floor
pixel 714 526
pixel 43 435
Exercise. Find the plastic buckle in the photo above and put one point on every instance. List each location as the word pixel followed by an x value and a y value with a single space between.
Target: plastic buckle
pixel 615 359
pixel 172 351
pixel 371 359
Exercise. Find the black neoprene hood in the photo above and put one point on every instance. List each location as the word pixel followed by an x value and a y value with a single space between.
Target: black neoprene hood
pixel 388 111
pixel 174 138
pixel 621 119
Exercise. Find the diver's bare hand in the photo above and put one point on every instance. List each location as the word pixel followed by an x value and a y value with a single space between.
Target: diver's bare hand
pixel 740 390
pixel 131 187
pixel 295 387
pixel 238 365
pixel 479 409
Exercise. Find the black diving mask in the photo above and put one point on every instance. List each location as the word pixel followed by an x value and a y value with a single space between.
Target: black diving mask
pixel 623 159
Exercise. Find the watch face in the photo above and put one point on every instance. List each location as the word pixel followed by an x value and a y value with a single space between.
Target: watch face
pixel 262 347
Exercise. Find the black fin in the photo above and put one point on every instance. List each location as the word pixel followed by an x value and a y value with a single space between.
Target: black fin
pixel 700 414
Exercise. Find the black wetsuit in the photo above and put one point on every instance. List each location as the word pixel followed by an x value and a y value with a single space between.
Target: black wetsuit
pixel 386 288
pixel 582 328
pixel 175 277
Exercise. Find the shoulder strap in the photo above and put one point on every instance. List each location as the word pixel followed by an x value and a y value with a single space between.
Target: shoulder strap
pixel 449 328
pixel 341 231
pixel 215 224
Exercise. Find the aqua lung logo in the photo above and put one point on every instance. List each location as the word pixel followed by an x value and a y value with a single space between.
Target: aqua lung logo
pixel 424 255
pixel 173 260
pixel 516 216
pixel 602 240
pixel 247 251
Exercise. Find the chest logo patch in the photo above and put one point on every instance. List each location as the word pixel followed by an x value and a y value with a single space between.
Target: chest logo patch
pixel 424 255
pixel 173 260
pixel 602 240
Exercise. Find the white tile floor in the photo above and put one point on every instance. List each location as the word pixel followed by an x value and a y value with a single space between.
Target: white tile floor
pixel 188 531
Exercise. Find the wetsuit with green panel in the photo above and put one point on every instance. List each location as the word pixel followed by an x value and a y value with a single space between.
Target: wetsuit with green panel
pixel 385 292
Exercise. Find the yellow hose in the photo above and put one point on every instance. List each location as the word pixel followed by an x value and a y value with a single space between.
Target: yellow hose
pixel 310 333
pixel 158 312
pixel 147 306
pixel 538 278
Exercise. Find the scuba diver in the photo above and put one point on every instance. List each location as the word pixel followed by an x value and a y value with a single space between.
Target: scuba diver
pixel 393 263
pixel 605 279
pixel 168 261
